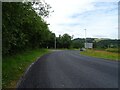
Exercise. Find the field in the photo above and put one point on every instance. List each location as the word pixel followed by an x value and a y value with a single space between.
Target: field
pixel 14 66
pixel 102 54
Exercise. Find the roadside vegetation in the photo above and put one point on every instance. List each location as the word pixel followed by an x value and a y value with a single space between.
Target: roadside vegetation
pixel 14 66
pixel 24 34
pixel 110 54
pixel 23 28
pixel 115 50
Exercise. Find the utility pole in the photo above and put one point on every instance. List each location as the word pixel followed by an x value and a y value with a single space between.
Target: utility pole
pixel 85 35
pixel 47 25
pixel 55 41
pixel 85 38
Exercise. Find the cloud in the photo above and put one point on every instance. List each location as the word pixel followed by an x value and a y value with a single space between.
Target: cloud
pixel 99 17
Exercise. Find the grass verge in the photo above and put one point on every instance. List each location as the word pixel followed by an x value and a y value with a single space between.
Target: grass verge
pixel 14 66
pixel 116 50
pixel 101 54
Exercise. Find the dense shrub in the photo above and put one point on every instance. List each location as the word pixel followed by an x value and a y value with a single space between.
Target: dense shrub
pixel 22 28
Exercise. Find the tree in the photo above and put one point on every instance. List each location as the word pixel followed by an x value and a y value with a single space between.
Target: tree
pixel 66 41
pixel 78 43
pixel 22 27
pixel 42 8
pixel 107 43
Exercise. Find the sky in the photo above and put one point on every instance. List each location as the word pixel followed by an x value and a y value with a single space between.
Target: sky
pixel 98 17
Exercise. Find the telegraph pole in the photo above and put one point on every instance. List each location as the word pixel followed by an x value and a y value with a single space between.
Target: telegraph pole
pixel 85 37
pixel 55 42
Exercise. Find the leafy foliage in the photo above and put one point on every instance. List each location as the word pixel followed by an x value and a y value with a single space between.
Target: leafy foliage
pixel 78 43
pixel 108 43
pixel 64 41
pixel 42 8
pixel 22 28
pixel 97 43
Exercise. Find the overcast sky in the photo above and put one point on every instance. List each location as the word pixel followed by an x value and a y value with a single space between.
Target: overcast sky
pixel 98 17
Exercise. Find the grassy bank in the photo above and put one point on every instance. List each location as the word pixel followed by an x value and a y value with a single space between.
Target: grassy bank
pixel 115 50
pixel 14 66
pixel 101 54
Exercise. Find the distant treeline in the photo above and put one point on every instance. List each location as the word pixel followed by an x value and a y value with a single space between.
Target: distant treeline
pixel 109 43
pixel 97 43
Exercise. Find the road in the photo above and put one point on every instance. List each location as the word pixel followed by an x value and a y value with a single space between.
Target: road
pixel 69 69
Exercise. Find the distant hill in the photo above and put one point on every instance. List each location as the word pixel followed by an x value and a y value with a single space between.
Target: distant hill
pixel 97 42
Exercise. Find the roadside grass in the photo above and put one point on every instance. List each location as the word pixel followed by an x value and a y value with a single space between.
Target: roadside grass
pixel 116 50
pixel 101 54
pixel 14 66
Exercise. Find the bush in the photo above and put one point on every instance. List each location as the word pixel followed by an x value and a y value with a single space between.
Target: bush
pixel 112 50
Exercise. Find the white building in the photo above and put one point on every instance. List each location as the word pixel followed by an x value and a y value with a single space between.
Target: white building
pixel 88 45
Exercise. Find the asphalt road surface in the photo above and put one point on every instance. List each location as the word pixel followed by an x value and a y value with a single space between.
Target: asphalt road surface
pixel 69 69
